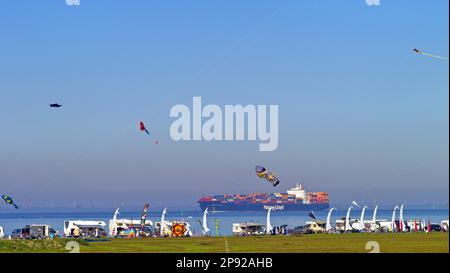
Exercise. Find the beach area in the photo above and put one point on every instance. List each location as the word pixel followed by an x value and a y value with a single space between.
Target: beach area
pixel 437 242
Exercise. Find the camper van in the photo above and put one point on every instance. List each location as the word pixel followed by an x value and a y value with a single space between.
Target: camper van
pixel 340 225
pixel 248 229
pixel 84 229
pixel 129 227
pixel 414 225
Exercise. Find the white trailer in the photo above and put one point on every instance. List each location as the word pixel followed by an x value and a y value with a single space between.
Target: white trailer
pixel 340 225
pixel 37 231
pixel 80 228
pixel 414 225
pixel 248 229
pixel 123 227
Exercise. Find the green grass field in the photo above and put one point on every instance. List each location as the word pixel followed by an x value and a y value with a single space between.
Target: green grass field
pixel 315 243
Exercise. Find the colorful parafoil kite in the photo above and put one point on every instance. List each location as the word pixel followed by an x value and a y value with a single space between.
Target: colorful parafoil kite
pixel 9 201
pixel 262 172
pixel 272 179
pixel 178 229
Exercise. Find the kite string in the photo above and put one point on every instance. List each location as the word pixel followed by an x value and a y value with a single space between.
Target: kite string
pixel 434 56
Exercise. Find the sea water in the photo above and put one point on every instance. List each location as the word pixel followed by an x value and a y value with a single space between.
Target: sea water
pixel 13 219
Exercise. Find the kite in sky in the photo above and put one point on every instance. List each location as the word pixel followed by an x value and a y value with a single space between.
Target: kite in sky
pixel 418 51
pixel 142 127
pixel 312 215
pixel 356 204
pixel 273 179
pixel 9 201
pixel 55 105
pixel 262 172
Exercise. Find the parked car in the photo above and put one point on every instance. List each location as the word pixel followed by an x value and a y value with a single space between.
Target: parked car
pixel 316 226
pixel 301 230
pixel 435 227
pixel 19 233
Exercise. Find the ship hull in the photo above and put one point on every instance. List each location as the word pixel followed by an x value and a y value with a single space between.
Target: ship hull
pixel 218 206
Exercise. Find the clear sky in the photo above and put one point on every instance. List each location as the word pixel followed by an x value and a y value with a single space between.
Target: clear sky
pixel 360 115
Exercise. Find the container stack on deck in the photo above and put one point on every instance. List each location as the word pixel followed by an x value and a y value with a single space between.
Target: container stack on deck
pixel 259 201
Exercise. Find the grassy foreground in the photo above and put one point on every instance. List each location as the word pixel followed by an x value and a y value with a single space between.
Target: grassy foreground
pixel 314 243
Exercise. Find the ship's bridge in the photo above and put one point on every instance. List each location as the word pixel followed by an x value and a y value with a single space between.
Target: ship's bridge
pixel 298 191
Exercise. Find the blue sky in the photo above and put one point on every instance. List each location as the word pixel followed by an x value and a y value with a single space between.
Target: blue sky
pixel 360 115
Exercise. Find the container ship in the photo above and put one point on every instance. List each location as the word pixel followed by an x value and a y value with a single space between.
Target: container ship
pixel 294 199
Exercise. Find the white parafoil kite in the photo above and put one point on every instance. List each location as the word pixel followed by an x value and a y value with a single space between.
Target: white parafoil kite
pixel 355 204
